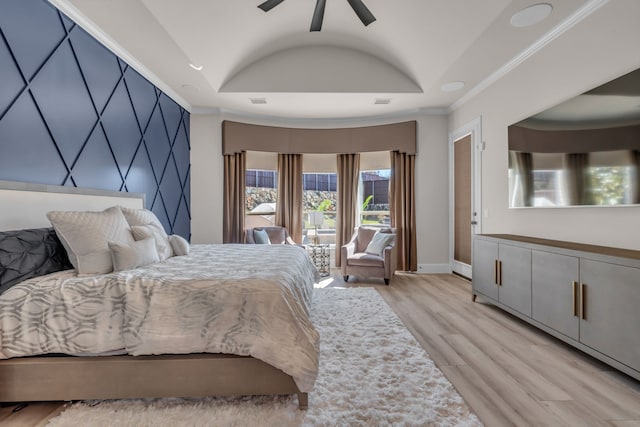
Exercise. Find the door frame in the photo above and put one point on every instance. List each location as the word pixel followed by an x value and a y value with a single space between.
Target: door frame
pixel 473 128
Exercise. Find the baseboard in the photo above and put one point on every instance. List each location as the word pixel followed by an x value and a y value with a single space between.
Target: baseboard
pixel 433 268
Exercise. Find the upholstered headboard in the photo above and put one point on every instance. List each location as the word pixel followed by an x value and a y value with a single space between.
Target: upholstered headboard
pixel 25 205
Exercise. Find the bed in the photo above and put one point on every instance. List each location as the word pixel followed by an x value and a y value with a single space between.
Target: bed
pixel 266 344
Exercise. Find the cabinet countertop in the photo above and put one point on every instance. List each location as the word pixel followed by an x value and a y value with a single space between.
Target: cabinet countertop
pixel 603 250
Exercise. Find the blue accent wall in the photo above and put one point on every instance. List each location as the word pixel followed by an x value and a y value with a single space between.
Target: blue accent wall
pixel 72 113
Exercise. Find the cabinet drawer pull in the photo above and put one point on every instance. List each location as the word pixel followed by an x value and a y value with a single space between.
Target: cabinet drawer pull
pixel 574 291
pixel 495 272
pixel 583 298
pixel 499 273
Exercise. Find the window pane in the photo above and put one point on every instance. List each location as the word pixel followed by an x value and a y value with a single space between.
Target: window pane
pixel 374 194
pixel 261 198
pixel 319 209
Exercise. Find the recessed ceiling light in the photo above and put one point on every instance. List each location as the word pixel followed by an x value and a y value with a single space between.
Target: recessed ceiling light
pixel 382 101
pixel 452 86
pixel 196 67
pixel 531 15
pixel 258 100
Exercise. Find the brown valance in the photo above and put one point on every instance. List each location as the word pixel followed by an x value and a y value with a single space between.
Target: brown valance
pixel 237 137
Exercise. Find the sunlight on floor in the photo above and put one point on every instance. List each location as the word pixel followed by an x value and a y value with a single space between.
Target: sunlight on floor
pixel 327 282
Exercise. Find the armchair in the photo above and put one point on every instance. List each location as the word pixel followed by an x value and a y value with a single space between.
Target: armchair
pixel 356 261
pixel 277 235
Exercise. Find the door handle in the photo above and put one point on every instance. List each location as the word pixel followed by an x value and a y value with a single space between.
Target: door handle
pixel 474 222
pixel 574 291
pixel 495 272
pixel 583 298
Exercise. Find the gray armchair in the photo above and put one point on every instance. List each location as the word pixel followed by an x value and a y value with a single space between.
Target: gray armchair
pixel 356 261
pixel 277 235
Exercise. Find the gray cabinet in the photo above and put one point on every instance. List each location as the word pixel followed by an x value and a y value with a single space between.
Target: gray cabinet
pixel 485 257
pixel 554 291
pixel 515 277
pixel 611 319
pixel 503 272
pixel 588 296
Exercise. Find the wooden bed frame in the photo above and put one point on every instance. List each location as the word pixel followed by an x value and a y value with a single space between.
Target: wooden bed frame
pixel 65 378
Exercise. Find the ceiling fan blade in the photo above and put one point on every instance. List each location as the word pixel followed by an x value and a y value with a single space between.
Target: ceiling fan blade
pixel 362 11
pixel 318 16
pixel 269 4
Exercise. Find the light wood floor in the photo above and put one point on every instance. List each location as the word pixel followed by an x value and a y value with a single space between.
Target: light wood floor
pixel 508 372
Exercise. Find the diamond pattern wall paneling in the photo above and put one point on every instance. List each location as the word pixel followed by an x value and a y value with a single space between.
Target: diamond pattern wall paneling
pixel 72 113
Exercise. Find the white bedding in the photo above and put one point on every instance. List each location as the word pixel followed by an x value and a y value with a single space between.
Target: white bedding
pixel 250 300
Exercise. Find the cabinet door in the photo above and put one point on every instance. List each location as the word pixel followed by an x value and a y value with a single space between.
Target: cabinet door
pixel 612 310
pixel 515 286
pixel 485 255
pixel 552 298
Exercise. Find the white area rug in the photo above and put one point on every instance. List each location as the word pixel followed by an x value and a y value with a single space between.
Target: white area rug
pixel 372 373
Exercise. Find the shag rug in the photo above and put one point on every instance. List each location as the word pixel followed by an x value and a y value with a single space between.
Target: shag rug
pixel 372 373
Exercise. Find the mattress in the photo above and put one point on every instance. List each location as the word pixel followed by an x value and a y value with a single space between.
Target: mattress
pixel 248 300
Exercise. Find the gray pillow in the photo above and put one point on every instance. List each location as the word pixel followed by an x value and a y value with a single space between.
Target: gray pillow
pixel 137 254
pixel 84 235
pixel 261 237
pixel 179 244
pixel 379 242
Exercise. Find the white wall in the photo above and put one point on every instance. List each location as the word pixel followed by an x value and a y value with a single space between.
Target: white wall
pixel 206 178
pixel 600 48
pixel 431 178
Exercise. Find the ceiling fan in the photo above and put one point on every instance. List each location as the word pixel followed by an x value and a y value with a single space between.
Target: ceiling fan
pixel 358 7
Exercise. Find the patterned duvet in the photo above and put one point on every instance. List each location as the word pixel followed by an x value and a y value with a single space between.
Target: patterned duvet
pixel 249 300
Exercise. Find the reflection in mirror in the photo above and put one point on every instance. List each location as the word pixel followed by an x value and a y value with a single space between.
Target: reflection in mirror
pixel 585 151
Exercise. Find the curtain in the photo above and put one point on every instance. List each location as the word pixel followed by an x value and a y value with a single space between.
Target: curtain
pixel 348 174
pixel 234 197
pixel 289 206
pixel 524 172
pixel 577 178
pixel 402 205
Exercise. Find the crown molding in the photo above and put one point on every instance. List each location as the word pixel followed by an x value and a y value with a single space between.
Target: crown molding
pixel 556 32
pixel 90 27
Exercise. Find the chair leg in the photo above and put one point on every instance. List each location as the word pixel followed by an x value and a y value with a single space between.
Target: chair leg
pixel 346 278
pixel 386 281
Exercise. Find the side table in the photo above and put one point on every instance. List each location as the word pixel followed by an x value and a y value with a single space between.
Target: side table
pixel 320 255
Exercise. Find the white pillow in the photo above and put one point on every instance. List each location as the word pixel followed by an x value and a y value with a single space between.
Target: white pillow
pixel 85 236
pixel 179 245
pixel 163 246
pixel 378 242
pixel 137 254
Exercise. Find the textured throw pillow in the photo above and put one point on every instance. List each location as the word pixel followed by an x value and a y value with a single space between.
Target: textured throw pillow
pixel 85 236
pixel 379 242
pixel 141 217
pixel 30 253
pixel 261 237
pixel 137 254
pixel 163 246
pixel 179 245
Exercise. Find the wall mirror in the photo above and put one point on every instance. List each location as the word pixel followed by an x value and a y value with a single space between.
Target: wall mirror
pixel 584 151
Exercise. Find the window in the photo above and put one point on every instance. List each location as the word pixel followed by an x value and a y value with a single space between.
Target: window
pixel 319 198
pixel 374 197
pixel 260 197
